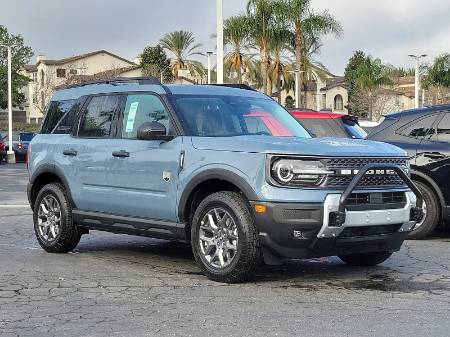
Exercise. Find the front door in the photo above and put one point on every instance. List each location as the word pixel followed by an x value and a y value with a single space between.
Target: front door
pixel 434 154
pixel 144 174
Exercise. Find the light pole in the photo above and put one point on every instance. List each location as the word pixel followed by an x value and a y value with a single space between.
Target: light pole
pixel 10 156
pixel 208 55
pixel 417 78
pixel 297 83
pixel 220 52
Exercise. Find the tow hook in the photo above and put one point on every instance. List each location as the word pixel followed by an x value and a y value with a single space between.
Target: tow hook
pixel 337 219
pixel 416 214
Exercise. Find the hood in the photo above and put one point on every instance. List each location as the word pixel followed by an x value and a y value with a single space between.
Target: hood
pixel 328 147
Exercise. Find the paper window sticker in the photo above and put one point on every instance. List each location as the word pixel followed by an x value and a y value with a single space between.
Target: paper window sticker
pixel 131 117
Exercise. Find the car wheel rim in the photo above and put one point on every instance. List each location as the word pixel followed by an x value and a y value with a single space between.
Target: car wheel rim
pixel 424 209
pixel 218 238
pixel 49 218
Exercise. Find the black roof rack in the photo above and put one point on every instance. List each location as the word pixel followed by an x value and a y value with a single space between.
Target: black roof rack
pixel 233 85
pixel 138 80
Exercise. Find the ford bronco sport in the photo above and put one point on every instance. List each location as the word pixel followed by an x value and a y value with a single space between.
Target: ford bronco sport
pixel 226 169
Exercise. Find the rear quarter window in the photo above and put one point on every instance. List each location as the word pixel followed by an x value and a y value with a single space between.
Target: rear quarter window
pixel 56 110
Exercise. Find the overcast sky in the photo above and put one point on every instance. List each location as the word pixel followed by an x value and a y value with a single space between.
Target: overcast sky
pixel 389 29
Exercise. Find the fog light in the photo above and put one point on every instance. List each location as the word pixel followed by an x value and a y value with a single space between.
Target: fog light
pixel 260 208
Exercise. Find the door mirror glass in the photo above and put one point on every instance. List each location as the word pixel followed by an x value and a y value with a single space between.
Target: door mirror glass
pixel 152 131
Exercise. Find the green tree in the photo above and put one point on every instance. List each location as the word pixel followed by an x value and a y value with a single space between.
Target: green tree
pixel 437 77
pixel 21 55
pixel 154 62
pixel 306 24
pixel 182 44
pixel 351 76
pixel 261 18
pixel 236 36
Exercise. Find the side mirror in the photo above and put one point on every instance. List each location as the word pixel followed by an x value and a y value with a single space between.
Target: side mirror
pixel 152 131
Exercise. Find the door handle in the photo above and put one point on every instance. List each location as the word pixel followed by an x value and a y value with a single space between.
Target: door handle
pixel 70 152
pixel 434 155
pixel 121 154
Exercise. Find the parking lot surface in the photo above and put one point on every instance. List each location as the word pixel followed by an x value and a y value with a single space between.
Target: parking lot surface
pixel 129 286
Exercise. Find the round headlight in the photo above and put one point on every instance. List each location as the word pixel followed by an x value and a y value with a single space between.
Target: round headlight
pixel 284 171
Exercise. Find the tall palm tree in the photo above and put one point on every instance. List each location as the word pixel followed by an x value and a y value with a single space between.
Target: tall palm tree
pixel 279 62
pixel 261 16
pixel 182 44
pixel 305 22
pixel 236 36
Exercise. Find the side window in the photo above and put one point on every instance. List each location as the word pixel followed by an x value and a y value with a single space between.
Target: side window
pixel 97 120
pixel 55 111
pixel 443 129
pixel 140 109
pixel 420 127
pixel 69 119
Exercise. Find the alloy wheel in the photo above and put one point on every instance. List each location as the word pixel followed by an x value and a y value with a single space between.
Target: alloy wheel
pixel 49 218
pixel 218 238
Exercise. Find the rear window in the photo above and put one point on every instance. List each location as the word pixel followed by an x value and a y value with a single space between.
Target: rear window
pixel 55 112
pixel 324 127
pixel 26 136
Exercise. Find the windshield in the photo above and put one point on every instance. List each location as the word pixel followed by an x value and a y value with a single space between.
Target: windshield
pixel 228 116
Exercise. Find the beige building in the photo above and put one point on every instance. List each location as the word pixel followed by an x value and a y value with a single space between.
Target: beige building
pixel 47 75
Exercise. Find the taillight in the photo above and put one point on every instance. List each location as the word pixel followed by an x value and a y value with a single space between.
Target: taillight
pixel 20 146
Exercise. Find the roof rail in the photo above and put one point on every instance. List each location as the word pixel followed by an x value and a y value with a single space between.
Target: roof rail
pixel 237 86
pixel 138 80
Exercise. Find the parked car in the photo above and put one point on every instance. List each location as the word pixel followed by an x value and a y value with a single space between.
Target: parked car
pixel 20 144
pixel 328 124
pixel 201 164
pixel 2 149
pixel 425 135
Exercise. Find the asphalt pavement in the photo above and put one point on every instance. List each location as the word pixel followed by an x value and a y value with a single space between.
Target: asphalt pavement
pixel 118 285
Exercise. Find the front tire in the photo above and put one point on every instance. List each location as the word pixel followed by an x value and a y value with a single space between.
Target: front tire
pixel 224 238
pixel 365 259
pixel 432 213
pixel 52 216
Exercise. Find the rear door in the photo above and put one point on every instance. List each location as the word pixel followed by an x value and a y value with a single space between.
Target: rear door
pixel 89 152
pixel 144 180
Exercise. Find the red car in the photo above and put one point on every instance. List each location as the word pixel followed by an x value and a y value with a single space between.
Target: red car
pixel 328 124
pixel 2 148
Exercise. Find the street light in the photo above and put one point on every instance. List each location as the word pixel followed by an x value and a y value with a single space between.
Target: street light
pixel 220 52
pixel 10 156
pixel 417 79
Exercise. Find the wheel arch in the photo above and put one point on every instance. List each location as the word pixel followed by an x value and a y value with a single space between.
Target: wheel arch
pixel 47 174
pixel 420 176
pixel 208 182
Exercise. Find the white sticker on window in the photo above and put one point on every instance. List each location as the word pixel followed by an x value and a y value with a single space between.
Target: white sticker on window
pixel 131 116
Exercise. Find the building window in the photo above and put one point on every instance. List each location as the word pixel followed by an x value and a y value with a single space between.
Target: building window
pixel 42 78
pixel 338 103
pixel 72 71
pixel 60 72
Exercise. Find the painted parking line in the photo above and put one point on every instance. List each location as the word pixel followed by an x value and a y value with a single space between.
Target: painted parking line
pixel 14 206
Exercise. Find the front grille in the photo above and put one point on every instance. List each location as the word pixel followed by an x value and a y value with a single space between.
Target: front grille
pixel 375 201
pixel 368 181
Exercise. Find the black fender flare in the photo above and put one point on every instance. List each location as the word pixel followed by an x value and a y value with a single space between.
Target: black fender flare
pixel 435 187
pixel 54 170
pixel 221 174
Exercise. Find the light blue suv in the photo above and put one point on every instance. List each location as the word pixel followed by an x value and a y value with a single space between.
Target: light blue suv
pixel 227 169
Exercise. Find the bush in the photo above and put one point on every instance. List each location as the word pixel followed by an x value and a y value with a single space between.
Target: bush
pixel 20 127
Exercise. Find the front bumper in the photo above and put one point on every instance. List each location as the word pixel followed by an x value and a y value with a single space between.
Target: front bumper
pixel 300 230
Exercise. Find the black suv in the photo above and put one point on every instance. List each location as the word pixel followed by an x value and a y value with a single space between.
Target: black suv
pixel 425 135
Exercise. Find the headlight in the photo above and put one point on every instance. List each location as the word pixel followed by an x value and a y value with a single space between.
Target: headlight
pixel 298 172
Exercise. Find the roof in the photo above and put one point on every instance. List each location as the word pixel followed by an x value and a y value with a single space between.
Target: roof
pixel 316 114
pixel 140 85
pixel 424 110
pixel 30 68
pixel 80 57
pixel 338 81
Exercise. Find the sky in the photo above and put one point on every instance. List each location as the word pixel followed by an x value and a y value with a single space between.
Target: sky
pixel 388 29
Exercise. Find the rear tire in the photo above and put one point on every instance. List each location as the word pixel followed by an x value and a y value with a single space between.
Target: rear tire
pixel 236 238
pixel 432 216
pixel 365 259
pixel 52 203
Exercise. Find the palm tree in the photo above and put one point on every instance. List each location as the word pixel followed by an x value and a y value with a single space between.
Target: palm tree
pixel 182 45
pixel 236 35
pixel 305 23
pixel 261 17
pixel 279 62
